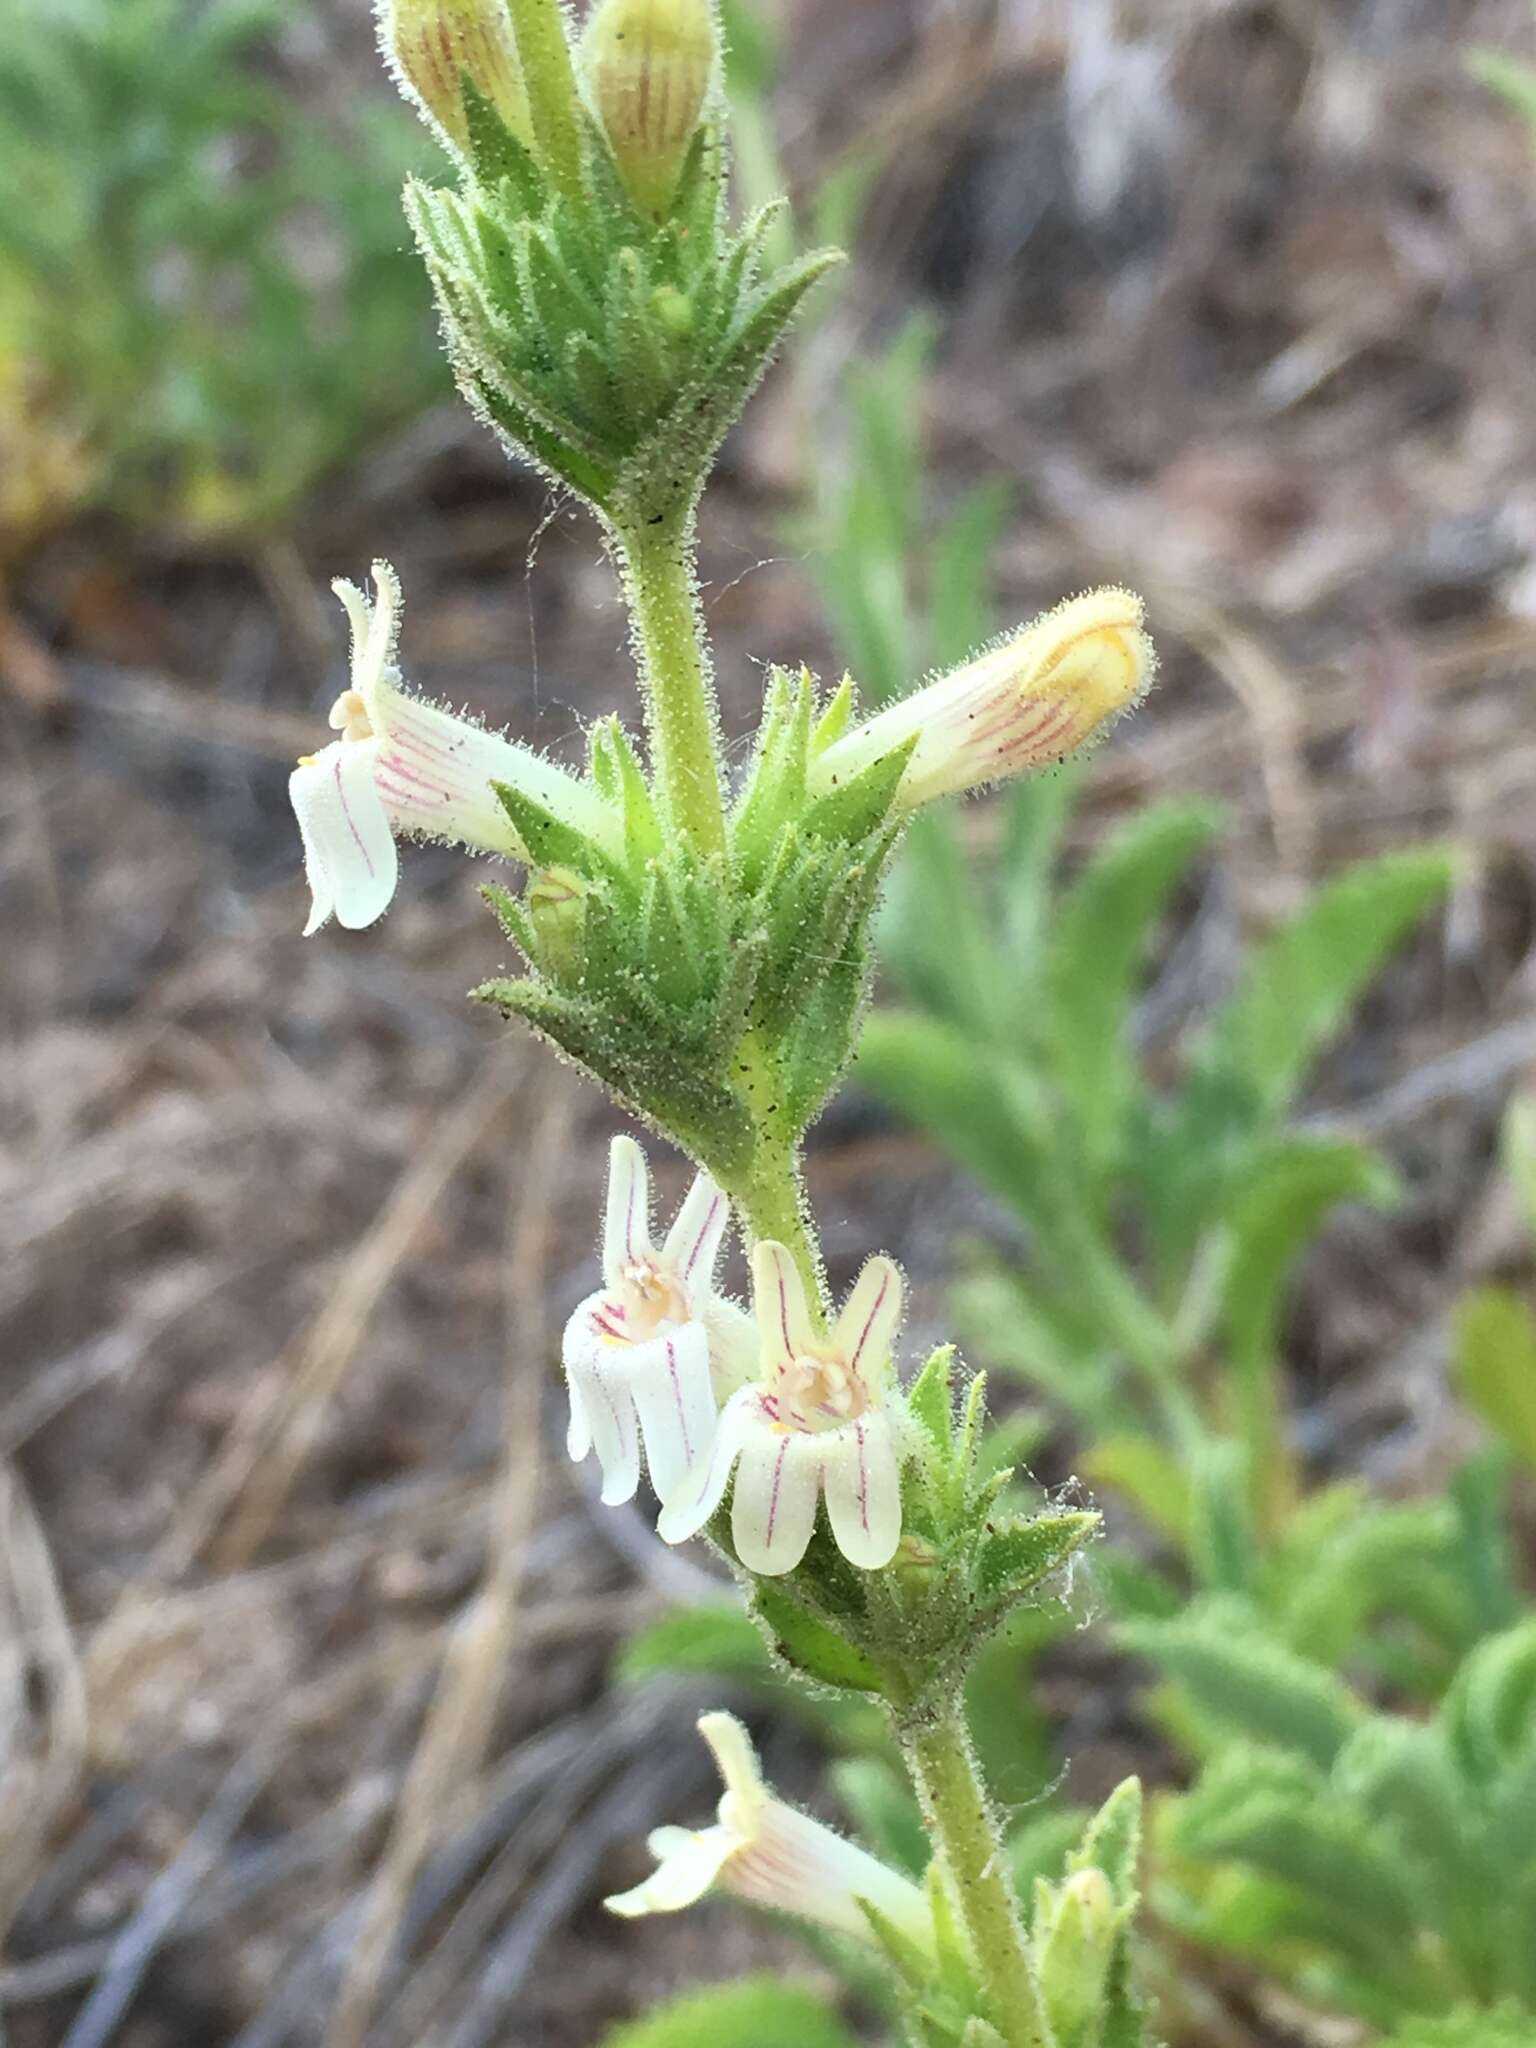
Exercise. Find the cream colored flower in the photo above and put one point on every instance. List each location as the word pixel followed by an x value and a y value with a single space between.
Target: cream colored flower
pixel 652 1354
pixel 815 1423
pixel 765 1852
pixel 1027 701
pixel 404 768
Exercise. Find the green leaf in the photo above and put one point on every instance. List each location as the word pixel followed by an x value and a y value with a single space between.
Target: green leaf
pixel 1035 820
pixel 1112 1841
pixel 548 840
pixel 1040 1846
pixel 876 1796
pixel 1496 1364
pixel 932 1400
pixel 759 2012
pixel 1149 1476
pixel 960 603
pixel 1016 1557
pixel 1099 937
pixel 979 1106
pixel 862 805
pixel 1223 1544
pixel 1276 1815
pixel 1276 1211
pixel 495 153
pixel 1468 2027
pixel 1301 984
pixel 1400 1772
pixel 1072 1959
pixel 905 1956
pixel 1513 81
pixel 715 1640
pixel 1248 1684
pixel 1518 1152
pixel 808 1645
pixel 1490 1712
pixel 934 939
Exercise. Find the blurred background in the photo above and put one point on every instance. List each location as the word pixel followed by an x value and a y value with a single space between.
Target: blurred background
pixel 1230 300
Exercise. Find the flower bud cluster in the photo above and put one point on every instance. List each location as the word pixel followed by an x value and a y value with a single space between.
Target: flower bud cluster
pixel 601 315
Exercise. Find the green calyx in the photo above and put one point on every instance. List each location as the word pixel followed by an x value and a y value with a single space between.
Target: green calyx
pixel 968 1561
pixel 717 993
pixel 609 343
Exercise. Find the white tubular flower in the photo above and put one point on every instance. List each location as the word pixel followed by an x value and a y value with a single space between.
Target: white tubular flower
pixel 653 1353
pixel 405 768
pixel 814 1423
pixel 765 1852
pixel 1028 701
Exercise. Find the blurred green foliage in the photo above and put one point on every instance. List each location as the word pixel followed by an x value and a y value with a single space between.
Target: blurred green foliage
pixel 1375 1863
pixel 206 302
pixel 753 2012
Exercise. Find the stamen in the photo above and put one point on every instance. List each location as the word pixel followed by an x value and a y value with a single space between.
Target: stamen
pixel 653 1295
pixel 825 1387
pixel 349 716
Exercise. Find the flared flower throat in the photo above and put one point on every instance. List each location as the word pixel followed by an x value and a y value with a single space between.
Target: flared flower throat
pixel 818 1423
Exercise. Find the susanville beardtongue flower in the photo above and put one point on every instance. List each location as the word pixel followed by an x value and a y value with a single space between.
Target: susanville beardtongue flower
pixel 434 46
pixel 1027 701
pixel 653 1353
pixel 403 767
pixel 816 1422
pixel 768 1854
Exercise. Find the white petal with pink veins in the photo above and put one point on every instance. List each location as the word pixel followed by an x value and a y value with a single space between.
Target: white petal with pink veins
pixel 773 1511
pixel 693 1242
pixel 783 1314
pixel 861 1476
pixel 626 1219
pixel 669 1380
pixel 866 1329
pixel 615 1433
pixel 685 1511
pixel 349 850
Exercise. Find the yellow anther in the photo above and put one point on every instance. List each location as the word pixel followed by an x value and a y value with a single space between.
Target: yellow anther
pixel 349 717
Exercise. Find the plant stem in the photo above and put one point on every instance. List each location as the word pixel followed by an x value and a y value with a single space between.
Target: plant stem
pixel 963 1827
pixel 658 565
pixel 545 56
pixel 771 1199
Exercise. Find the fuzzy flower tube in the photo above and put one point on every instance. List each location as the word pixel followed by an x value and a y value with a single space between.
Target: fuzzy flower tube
pixel 765 1853
pixel 697 941
pixel 401 768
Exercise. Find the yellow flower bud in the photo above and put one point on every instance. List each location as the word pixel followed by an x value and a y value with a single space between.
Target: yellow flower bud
pixel 433 46
pixel 649 64
pixel 1031 699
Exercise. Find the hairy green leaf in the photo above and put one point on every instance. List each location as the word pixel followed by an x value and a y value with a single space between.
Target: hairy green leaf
pixel 1301 984
pixel 1496 1364
pixel 758 2012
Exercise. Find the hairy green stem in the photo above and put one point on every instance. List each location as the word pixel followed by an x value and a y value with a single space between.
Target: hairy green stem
pixel 544 52
pixel 662 588
pixel 771 1199
pixel 963 1827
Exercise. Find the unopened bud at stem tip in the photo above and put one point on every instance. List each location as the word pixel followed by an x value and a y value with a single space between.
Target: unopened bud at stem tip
pixel 649 64
pixel 435 46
